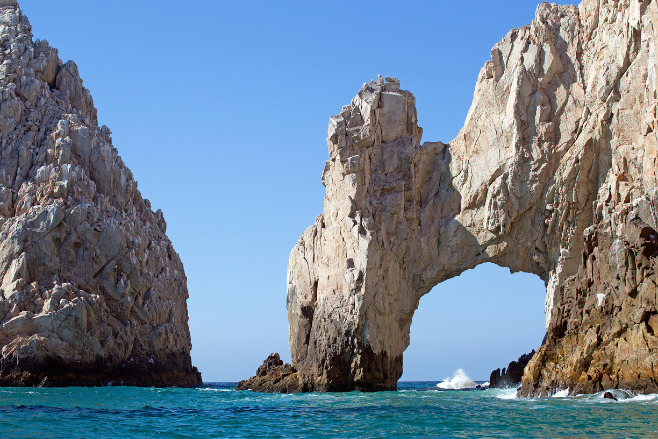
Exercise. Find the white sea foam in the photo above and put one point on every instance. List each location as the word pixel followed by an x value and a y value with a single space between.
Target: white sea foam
pixel 644 398
pixel 561 394
pixel 459 381
pixel 620 395
pixel 506 393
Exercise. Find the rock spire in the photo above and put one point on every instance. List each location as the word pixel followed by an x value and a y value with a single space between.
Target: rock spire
pixel 91 289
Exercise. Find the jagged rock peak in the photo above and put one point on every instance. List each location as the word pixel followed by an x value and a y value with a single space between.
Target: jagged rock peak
pixel 512 375
pixel 91 289
pixel 553 173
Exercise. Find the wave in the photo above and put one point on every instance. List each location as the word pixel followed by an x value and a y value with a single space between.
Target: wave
pixel 619 395
pixel 612 395
pixel 505 393
pixel 652 397
pixel 459 381
pixel 561 394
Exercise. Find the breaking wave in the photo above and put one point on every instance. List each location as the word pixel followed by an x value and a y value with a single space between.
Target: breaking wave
pixel 459 381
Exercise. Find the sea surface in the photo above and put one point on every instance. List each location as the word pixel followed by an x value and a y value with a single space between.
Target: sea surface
pixel 217 411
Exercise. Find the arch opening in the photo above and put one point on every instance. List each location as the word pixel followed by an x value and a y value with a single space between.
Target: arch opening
pixel 477 321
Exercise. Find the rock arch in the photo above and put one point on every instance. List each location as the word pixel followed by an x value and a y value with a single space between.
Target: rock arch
pixel 553 173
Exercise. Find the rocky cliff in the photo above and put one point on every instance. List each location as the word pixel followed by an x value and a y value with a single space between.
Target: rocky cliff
pixel 553 173
pixel 91 289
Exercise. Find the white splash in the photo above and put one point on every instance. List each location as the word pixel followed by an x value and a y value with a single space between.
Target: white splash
pixel 643 398
pixel 506 394
pixel 459 381
pixel 561 394
pixel 599 299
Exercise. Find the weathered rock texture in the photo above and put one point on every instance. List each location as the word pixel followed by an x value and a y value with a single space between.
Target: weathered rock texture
pixel 553 173
pixel 273 377
pixel 512 375
pixel 91 290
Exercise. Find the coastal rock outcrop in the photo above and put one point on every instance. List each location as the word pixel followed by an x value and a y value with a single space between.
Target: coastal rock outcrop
pixel 553 173
pixel 91 289
pixel 511 375
pixel 273 376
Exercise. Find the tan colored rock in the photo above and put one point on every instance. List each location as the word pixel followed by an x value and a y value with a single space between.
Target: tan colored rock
pixel 91 289
pixel 273 377
pixel 553 173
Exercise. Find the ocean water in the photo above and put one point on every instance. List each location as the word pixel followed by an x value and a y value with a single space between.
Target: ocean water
pixel 217 411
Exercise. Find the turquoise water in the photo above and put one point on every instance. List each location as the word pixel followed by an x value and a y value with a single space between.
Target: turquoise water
pixel 216 411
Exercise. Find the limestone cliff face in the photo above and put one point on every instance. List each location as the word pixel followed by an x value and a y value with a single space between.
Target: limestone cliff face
pixel 553 173
pixel 91 289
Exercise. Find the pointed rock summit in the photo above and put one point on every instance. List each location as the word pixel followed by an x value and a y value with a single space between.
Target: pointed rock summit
pixel 554 173
pixel 91 289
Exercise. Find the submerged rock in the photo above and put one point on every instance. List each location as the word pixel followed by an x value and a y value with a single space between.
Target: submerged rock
pixel 91 289
pixel 553 173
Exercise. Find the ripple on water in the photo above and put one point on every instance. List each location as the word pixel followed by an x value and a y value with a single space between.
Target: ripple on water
pixel 216 410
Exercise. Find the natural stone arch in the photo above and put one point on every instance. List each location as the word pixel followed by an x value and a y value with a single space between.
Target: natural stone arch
pixel 553 174
pixel 477 321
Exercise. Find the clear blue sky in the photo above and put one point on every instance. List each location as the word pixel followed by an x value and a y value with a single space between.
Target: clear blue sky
pixel 221 109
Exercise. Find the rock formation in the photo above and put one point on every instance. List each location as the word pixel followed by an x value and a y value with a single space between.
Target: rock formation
pixel 553 173
pixel 273 377
pixel 91 289
pixel 510 376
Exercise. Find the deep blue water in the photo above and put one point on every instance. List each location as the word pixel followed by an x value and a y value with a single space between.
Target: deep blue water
pixel 216 411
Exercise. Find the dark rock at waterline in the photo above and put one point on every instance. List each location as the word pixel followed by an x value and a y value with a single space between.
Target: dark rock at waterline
pixel 617 394
pixel 510 376
pixel 273 376
pixel 164 371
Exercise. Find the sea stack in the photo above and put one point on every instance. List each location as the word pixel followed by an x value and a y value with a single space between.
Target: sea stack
pixel 553 173
pixel 91 289
pixel 511 375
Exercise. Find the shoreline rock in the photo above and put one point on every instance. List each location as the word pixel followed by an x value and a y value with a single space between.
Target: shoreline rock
pixel 273 376
pixel 91 289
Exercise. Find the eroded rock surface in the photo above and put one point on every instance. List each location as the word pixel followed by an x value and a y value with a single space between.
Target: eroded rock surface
pixel 91 289
pixel 553 173
pixel 273 376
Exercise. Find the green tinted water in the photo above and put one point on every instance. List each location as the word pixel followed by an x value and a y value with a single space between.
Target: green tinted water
pixel 217 411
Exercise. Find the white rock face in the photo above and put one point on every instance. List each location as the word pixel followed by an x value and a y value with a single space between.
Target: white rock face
pixel 559 141
pixel 91 289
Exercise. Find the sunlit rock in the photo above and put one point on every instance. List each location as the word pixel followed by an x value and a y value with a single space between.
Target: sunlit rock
pixel 91 289
pixel 553 173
